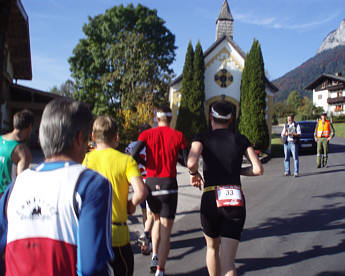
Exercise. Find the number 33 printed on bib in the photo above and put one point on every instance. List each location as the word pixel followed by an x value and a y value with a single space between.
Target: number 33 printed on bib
pixel 229 196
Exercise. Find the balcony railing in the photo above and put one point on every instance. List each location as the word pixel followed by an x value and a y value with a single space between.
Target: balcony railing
pixel 331 87
pixel 336 100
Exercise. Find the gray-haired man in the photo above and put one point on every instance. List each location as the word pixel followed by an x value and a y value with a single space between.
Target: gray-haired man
pixel 57 215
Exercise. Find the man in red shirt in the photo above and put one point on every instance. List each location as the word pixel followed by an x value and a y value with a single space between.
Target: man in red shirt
pixel 162 148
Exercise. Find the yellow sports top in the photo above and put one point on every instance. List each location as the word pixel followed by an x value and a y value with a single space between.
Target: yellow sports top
pixel 118 168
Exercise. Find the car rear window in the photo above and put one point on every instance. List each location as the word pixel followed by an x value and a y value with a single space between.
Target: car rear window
pixel 307 127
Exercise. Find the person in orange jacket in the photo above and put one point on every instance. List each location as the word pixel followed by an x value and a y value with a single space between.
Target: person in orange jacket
pixel 323 133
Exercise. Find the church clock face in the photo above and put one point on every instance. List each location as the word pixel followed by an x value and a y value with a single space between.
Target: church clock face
pixel 223 78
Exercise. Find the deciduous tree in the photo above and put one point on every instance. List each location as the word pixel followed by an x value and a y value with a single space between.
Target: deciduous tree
pixel 294 100
pixel 126 53
pixel 66 89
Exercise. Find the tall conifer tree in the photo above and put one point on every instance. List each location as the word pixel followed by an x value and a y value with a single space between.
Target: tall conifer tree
pixel 197 97
pixel 185 117
pixel 252 121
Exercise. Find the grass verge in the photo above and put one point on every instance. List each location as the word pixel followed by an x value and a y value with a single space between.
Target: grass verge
pixel 339 129
pixel 277 147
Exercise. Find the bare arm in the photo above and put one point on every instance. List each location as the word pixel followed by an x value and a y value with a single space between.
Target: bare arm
pixel 284 131
pixel 194 155
pixel 21 156
pixel 297 132
pixel 139 193
pixel 256 168
pixel 193 164
pixel 315 131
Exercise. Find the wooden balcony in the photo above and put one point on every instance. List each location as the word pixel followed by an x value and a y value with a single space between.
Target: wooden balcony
pixel 337 100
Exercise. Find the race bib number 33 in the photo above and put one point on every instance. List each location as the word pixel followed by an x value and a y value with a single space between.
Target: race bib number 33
pixel 229 196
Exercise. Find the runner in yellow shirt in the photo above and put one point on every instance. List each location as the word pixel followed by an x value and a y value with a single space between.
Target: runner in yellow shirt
pixel 122 171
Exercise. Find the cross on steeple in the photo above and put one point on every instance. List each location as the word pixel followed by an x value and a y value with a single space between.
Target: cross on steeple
pixel 225 22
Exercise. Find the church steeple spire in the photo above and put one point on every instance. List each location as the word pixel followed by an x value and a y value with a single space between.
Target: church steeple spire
pixel 225 22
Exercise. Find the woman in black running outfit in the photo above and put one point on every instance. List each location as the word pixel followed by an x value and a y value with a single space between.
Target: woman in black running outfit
pixel 222 205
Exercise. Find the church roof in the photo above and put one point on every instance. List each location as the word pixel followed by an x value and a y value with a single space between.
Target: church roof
pixel 211 48
pixel 225 13
pixel 230 40
pixel 269 84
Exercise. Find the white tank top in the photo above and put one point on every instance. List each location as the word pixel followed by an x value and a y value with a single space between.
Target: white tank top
pixel 41 205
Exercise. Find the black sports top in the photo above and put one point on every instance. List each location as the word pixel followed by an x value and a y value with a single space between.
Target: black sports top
pixel 222 155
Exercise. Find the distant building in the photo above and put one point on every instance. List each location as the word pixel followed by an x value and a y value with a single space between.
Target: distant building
pixel 16 64
pixel 329 93
pixel 224 63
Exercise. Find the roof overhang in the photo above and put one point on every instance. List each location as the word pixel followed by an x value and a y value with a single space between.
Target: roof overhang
pixel 26 97
pixel 321 78
pixel 18 40
pixel 274 89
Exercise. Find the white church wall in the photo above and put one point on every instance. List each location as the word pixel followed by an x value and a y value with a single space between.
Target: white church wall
pixel 175 93
pixel 224 56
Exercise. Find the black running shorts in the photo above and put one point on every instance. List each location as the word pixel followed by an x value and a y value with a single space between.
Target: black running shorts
pixel 123 262
pixel 162 197
pixel 226 222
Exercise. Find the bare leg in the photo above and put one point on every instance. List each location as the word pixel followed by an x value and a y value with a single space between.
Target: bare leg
pixel 228 249
pixel 145 238
pixel 149 221
pixel 164 246
pixel 212 255
pixel 155 234
pixel 144 214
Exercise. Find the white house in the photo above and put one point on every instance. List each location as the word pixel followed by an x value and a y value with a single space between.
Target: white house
pixel 224 63
pixel 329 93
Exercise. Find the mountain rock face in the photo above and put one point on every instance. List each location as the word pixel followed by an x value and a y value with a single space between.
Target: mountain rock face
pixel 334 39
pixel 329 59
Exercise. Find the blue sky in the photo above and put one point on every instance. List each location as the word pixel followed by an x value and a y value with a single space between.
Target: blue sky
pixel 289 31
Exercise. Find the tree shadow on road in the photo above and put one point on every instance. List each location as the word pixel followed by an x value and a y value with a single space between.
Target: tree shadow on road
pixel 331 273
pixel 194 245
pixel 322 219
pixel 336 148
pixel 329 217
pixel 197 272
pixel 333 195
pixel 292 257
pixel 185 232
pixel 321 171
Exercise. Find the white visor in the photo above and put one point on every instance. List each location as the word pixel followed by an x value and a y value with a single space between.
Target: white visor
pixel 163 114
pixel 215 114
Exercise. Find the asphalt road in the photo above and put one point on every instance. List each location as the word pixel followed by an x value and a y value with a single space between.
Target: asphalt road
pixel 294 226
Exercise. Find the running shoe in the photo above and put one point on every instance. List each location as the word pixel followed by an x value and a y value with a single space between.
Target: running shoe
pixel 159 273
pixel 154 264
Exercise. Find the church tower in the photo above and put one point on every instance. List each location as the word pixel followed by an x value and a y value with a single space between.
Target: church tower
pixel 225 22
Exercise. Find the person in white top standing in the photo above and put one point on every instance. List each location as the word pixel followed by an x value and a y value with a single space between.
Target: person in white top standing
pixel 290 134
